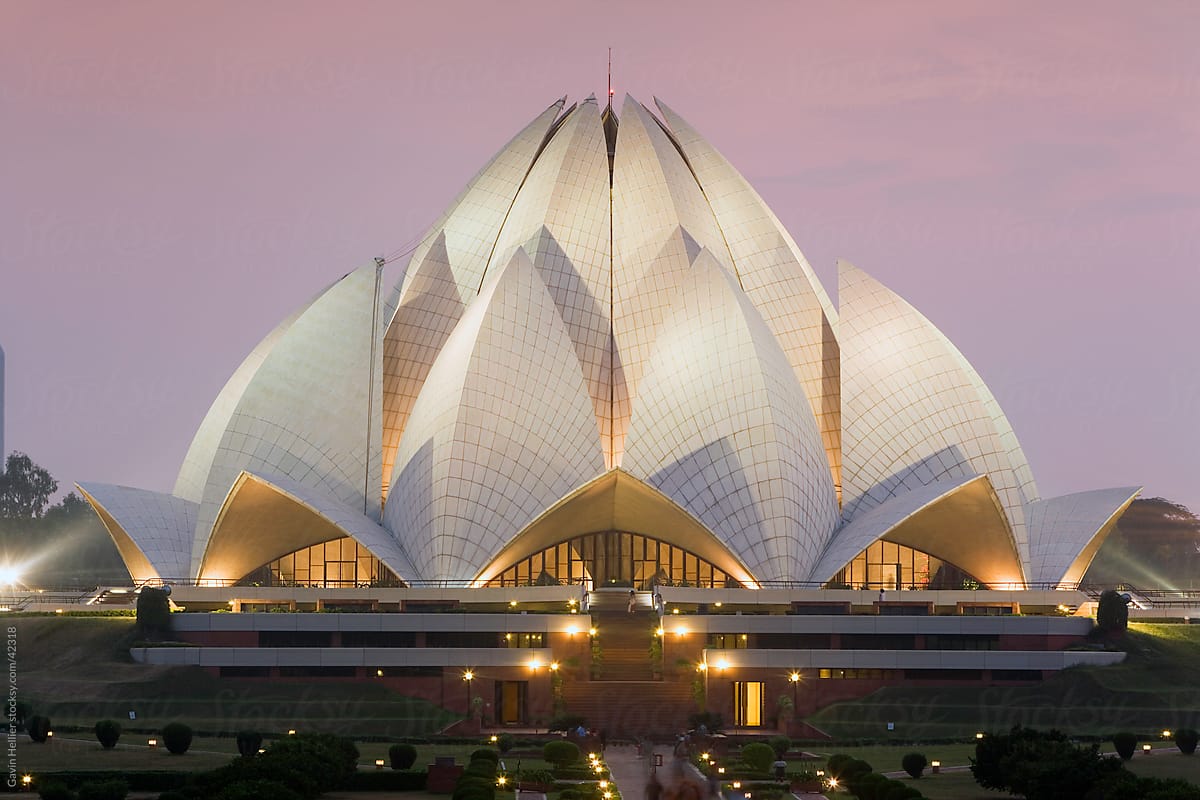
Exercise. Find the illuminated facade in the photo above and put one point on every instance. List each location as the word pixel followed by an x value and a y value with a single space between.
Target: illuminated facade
pixel 606 362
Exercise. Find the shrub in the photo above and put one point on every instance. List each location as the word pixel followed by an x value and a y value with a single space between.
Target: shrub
pixel 249 743
pixel 153 612
pixel 1125 743
pixel 837 762
pixel 561 753
pixel 177 738
pixel 1186 739
pixel 108 732
pixel 505 742
pixel 758 756
pixel 38 728
pixel 402 756
pixel 488 754
pixel 55 790
pixel 780 744
pixel 1112 613
pixel 914 764
pixel 1039 766
pixel 257 790
pixel 103 790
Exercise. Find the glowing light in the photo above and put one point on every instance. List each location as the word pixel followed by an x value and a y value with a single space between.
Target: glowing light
pixel 9 575
pixel 152 743
pixel 591 631
pixel 718 604
pixel 58 611
pixel 720 770
pixel 512 603
pixel 794 677
pixel 49 734
pixel 680 631
pixel 704 756
pixel 659 631
pixel 553 666
pixel 979 735
pixel 1145 748
pixel 378 673
pixel 534 663
pixel 603 784
pixel 468 675
pixel 737 784
pixel 935 763
pixel 379 763
pixel 674 610
pixel 26 779
pixel 291 731
pixel 1166 734
pixel 833 783
pixel 495 738
pixel 501 780
pixel 572 630
pixel 592 758
pixel 607 795
pixel 722 664
pixel 702 667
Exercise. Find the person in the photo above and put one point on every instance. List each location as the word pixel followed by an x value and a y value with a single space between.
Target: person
pixel 632 600
pixel 780 769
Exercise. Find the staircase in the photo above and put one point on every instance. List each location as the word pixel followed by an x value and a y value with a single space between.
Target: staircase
pixel 625 698
pixel 629 709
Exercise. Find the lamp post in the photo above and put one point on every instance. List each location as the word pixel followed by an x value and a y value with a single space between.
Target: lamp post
pixel 795 679
pixel 468 676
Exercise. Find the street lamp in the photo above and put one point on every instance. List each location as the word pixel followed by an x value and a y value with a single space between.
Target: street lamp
pixel 795 679
pixel 468 676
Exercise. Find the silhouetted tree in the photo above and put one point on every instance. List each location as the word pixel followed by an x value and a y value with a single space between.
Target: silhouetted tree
pixel 25 488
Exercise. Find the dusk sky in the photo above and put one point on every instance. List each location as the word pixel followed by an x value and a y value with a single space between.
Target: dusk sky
pixel 176 178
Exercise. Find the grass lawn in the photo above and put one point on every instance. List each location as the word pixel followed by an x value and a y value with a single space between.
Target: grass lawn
pixel 1156 687
pixel 77 751
pixel 77 671
pixel 62 753
pixel 960 784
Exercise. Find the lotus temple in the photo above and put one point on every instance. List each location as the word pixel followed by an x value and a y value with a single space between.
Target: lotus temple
pixel 606 380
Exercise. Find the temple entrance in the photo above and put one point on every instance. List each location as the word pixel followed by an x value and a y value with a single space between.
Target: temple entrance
pixel 614 559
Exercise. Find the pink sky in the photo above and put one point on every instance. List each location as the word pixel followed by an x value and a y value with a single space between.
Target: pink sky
pixel 176 178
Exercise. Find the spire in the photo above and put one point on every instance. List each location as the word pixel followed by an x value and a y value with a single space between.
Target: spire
pixel 610 89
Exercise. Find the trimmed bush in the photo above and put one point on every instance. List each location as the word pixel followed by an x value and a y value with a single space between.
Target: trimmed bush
pixel 153 612
pixel 1112 613
pixel 55 790
pixel 402 756
pixel 375 781
pixel 780 744
pixel 249 743
pixel 837 762
pixel 257 790
pixel 108 732
pixel 1186 739
pixel 177 738
pixel 505 742
pixel 486 753
pixel 1125 743
pixel 758 756
pixel 103 790
pixel 914 764
pixel 38 728
pixel 561 753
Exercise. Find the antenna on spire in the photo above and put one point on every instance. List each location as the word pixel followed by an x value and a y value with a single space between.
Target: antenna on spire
pixel 610 89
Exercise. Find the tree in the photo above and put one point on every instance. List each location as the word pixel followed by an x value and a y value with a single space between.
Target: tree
pixel 1039 766
pixel 914 764
pixel 1112 613
pixel 25 488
